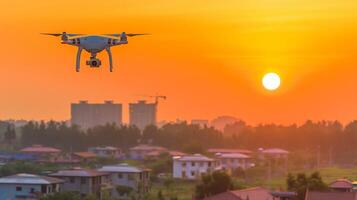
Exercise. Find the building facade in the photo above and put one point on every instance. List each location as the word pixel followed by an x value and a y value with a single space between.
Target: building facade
pixel 142 114
pixel 192 166
pixel 87 115
pixel 84 181
pixel 28 186
pixel 125 176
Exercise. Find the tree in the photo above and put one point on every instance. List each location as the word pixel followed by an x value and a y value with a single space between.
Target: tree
pixel 301 183
pixel 212 184
pixel 10 134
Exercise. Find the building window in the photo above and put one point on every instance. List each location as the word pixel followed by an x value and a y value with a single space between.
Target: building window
pixel 193 164
pixel 83 180
pixel 18 188
pixel 183 174
pixel 43 189
pixel 120 175
pixel 209 164
pixel 192 173
pixel 71 180
pixel 32 190
pixel 183 164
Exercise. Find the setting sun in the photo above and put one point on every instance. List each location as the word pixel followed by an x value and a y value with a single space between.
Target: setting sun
pixel 271 81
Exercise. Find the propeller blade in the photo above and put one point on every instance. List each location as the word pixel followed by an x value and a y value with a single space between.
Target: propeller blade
pixel 136 34
pixel 60 34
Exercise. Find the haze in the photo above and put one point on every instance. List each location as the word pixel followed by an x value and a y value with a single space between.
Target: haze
pixel 206 56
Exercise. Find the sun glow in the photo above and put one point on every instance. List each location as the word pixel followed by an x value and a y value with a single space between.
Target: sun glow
pixel 271 81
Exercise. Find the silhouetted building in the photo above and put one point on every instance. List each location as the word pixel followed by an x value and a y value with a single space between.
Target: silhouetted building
pixel 142 114
pixel 88 115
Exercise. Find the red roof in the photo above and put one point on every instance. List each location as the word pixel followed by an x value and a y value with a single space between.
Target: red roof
pixel 85 154
pixel 243 151
pixel 40 149
pixel 331 195
pixel 256 193
pixel 341 183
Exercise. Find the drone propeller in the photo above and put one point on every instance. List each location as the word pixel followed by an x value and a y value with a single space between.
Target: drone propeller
pixel 127 34
pixel 61 34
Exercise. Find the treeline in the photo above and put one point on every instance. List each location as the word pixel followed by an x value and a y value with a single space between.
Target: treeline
pixel 173 136
pixel 330 140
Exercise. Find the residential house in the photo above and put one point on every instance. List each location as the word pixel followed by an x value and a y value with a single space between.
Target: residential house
pixel 256 193
pixel 28 186
pixel 84 181
pixel 233 161
pixel 42 153
pixel 142 151
pixel 107 152
pixel 275 153
pixel 192 166
pixel 132 179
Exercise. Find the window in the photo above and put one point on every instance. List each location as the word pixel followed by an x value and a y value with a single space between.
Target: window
pixel 140 176
pixel 183 174
pixel 120 175
pixel 83 180
pixel 71 179
pixel 209 164
pixel 183 164
pixel 32 190
pixel 18 188
pixel 44 189
pixel 193 164
pixel 192 173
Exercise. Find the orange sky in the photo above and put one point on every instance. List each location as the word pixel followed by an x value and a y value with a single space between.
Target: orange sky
pixel 207 56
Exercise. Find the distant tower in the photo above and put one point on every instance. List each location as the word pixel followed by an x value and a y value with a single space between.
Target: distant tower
pixel 88 115
pixel 142 114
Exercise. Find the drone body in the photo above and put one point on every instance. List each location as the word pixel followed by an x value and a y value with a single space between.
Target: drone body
pixel 94 44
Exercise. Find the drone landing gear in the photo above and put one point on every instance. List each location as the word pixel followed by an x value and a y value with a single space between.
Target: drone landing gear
pixel 110 59
pixel 78 62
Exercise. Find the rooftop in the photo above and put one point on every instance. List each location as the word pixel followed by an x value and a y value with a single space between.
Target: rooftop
pixel 341 183
pixel 243 151
pixel 40 149
pixel 232 155
pixel 274 151
pixel 78 173
pixel 121 168
pixel 144 147
pixel 195 157
pixel 85 154
pixel 29 179
pixel 330 195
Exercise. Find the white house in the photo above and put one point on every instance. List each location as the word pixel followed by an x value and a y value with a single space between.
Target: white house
pixel 192 166
pixel 232 161
pixel 126 176
pixel 28 186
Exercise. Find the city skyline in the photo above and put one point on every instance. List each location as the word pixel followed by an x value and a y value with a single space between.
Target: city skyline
pixel 207 57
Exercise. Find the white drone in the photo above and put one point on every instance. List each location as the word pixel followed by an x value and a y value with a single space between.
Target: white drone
pixel 94 44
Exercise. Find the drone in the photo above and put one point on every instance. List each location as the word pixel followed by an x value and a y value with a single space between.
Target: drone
pixel 94 44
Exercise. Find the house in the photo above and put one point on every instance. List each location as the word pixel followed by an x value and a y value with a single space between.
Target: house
pixel 192 166
pixel 241 151
pixel 84 181
pixel 142 151
pixel 42 153
pixel 232 161
pixel 256 193
pixel 106 152
pixel 341 185
pixel 275 153
pixel 126 178
pixel 311 195
pixel 28 186
pixel 84 156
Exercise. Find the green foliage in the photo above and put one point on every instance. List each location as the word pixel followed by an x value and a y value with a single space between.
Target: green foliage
pixel 63 196
pixel 124 190
pixel 301 183
pixel 212 184
pixel 20 167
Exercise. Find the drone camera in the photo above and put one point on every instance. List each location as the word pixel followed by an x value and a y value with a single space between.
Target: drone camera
pixel 94 62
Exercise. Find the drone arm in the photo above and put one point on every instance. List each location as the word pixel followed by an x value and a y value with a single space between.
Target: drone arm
pixel 78 61
pixel 110 59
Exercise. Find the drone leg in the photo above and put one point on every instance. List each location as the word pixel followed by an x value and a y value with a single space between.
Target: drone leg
pixel 78 61
pixel 110 59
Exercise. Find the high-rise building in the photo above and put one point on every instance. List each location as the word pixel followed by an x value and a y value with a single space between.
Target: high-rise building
pixel 142 114
pixel 87 115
